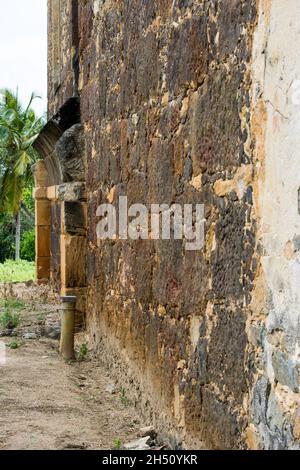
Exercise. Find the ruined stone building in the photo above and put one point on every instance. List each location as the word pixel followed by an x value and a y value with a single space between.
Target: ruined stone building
pixel 181 101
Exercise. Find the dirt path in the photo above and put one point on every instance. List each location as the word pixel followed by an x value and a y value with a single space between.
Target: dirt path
pixel 48 404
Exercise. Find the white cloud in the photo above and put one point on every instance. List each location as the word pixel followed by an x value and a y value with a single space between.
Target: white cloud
pixel 23 49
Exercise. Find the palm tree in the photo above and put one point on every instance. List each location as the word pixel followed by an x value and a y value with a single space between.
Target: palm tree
pixel 19 127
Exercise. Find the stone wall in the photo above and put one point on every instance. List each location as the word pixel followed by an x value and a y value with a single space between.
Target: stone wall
pixel 179 104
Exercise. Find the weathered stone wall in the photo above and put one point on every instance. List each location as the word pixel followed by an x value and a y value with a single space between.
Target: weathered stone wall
pixel 164 100
pixel 60 54
pixel 173 108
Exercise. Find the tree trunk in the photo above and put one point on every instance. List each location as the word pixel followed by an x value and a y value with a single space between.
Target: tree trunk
pixel 18 235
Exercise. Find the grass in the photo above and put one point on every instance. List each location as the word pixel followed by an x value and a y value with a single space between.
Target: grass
pixel 123 397
pixel 9 320
pixel 10 313
pixel 14 345
pixel 17 271
pixel 12 304
pixel 117 444
pixel 83 352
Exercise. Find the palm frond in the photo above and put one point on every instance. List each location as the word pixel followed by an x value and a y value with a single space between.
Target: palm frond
pixel 19 129
pixel 32 98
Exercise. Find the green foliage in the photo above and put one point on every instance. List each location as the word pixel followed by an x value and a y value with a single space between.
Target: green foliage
pixel 13 304
pixel 83 352
pixel 117 444
pixel 28 246
pixel 7 238
pixel 123 397
pixel 19 129
pixel 14 344
pixel 27 196
pixel 17 271
pixel 9 320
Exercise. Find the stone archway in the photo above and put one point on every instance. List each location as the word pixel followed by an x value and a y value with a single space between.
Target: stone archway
pixel 60 199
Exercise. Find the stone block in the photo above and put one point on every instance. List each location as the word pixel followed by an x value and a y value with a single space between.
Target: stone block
pixel 43 238
pixel 72 192
pixel 43 213
pixel 286 370
pixel 190 66
pixel 215 145
pixel 147 70
pixel 275 416
pixel 43 268
pixel 52 193
pixel 71 153
pixel 40 193
pixel 73 261
pixel 40 174
pixel 74 218
pixel 260 398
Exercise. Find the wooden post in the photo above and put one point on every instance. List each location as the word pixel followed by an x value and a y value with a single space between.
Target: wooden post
pixel 68 327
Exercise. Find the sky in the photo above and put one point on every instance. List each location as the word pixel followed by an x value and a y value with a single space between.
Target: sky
pixel 23 49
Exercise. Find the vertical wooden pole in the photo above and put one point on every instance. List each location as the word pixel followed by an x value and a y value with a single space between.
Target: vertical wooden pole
pixel 67 327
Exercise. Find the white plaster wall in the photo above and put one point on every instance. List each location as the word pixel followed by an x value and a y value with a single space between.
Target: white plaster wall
pixel 275 408
pixel 276 70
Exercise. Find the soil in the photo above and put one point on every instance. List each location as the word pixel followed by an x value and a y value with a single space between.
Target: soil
pixel 48 404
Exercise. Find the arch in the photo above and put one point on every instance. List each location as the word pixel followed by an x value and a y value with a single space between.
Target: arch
pixel 45 146
pixel 61 204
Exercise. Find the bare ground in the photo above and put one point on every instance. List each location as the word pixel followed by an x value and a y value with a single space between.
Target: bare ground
pixel 47 404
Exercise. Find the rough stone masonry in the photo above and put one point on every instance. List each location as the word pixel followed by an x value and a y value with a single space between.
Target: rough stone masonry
pixel 190 102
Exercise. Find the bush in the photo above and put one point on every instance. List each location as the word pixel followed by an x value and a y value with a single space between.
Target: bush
pixel 28 246
pixel 14 344
pixel 9 320
pixel 83 352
